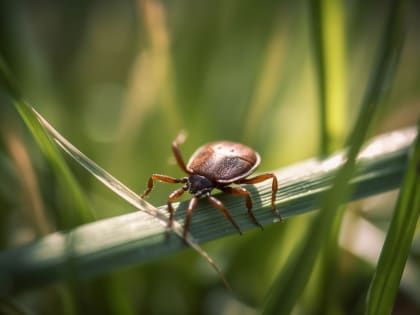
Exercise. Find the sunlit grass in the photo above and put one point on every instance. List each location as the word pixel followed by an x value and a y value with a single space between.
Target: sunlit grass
pixel 121 80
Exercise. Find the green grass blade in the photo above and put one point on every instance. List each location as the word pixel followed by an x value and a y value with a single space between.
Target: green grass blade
pixel 80 210
pixel 99 173
pixel 105 245
pixel 386 280
pixel 80 205
pixel 328 34
pixel 74 209
pixel 329 38
pixel 291 282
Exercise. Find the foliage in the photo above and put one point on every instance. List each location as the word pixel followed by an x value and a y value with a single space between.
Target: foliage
pixel 121 79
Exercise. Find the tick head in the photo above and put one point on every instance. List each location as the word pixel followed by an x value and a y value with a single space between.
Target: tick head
pixel 199 185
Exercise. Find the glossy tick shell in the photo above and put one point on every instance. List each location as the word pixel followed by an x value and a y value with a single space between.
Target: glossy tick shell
pixel 223 162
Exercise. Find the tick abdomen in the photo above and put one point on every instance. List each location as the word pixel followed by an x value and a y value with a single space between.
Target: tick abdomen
pixel 224 161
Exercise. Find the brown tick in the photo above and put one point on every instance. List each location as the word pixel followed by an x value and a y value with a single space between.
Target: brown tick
pixel 215 165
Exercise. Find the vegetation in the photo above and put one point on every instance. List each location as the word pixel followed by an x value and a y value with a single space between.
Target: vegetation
pixel 294 81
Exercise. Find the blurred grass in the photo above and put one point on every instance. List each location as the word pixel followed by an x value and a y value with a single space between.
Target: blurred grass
pixel 396 249
pixel 292 280
pixel 121 79
pixel 66 217
pixel 328 24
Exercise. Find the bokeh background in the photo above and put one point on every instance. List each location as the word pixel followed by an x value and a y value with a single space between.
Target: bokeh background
pixel 120 79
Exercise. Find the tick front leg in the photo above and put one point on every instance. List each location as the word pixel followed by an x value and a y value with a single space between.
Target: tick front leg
pixel 172 197
pixel 274 187
pixel 177 153
pixel 219 205
pixel 162 178
pixel 248 201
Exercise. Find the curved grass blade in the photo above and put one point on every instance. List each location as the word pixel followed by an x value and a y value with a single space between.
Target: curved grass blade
pixel 81 211
pixel 396 248
pixel 123 191
pixel 73 207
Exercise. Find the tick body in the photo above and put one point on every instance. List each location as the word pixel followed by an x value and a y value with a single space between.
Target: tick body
pixel 215 165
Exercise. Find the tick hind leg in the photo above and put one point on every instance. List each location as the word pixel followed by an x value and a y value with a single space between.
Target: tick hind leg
pixel 220 206
pixel 274 187
pixel 248 201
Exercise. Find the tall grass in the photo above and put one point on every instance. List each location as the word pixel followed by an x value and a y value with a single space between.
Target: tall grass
pixel 123 80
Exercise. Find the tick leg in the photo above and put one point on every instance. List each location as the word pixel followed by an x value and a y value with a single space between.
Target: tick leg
pixel 245 193
pixel 219 205
pixel 162 178
pixel 191 206
pixel 261 178
pixel 172 197
pixel 177 153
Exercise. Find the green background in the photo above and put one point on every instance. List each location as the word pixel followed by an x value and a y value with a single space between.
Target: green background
pixel 120 79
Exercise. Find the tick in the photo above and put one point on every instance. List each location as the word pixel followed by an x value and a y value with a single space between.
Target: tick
pixel 215 165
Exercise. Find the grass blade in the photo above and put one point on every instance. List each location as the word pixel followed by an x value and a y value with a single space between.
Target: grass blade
pixel 329 38
pixel 328 33
pixel 386 280
pixel 105 245
pixel 80 212
pixel 292 280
